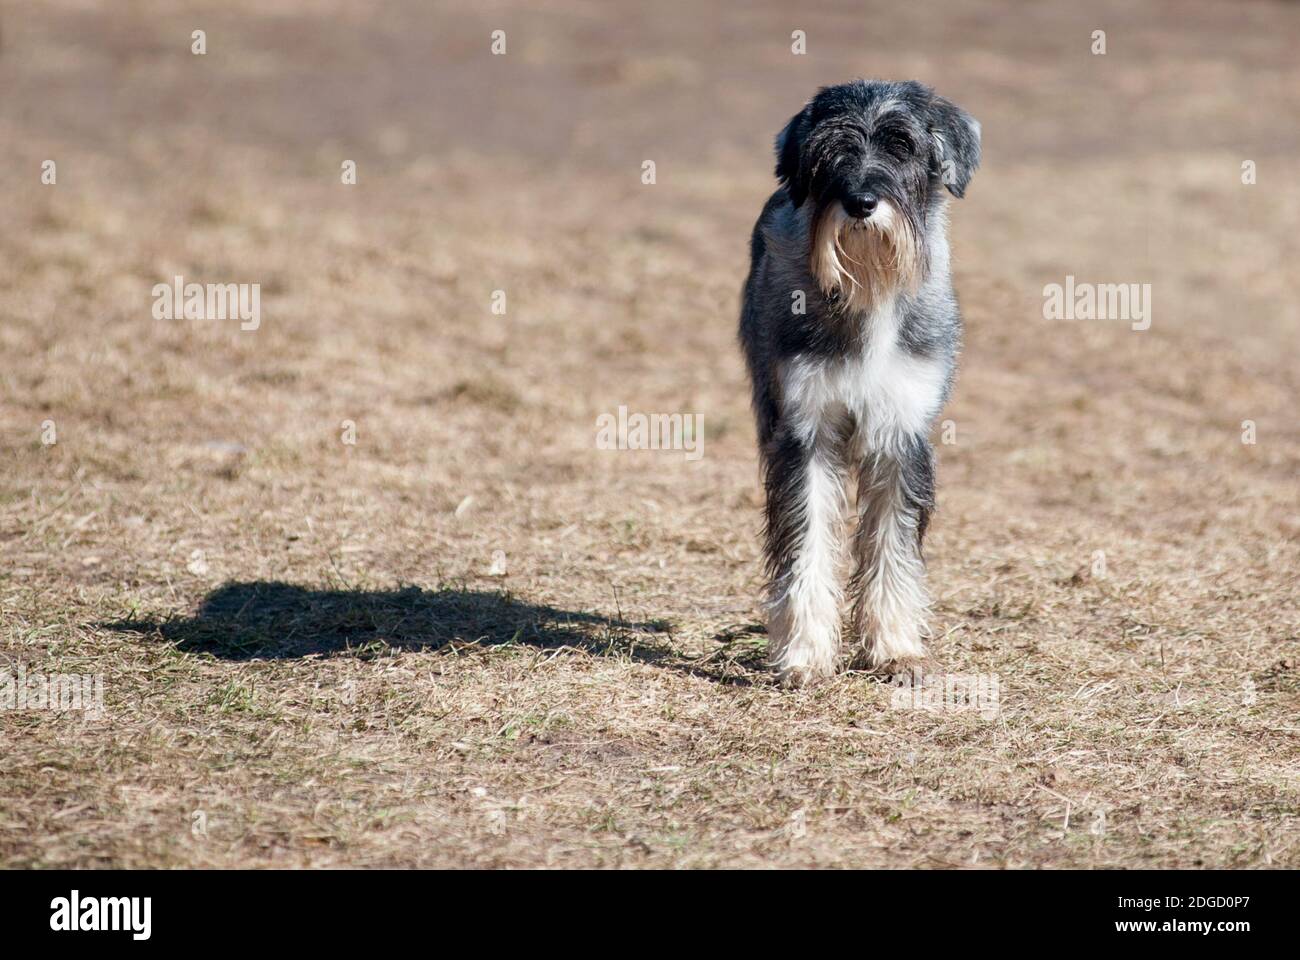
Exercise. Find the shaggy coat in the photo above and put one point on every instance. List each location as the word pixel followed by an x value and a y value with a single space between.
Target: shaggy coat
pixel 850 331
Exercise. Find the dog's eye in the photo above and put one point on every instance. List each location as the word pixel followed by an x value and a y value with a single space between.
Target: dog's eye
pixel 899 144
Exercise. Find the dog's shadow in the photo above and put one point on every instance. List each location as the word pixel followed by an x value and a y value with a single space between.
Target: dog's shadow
pixel 280 621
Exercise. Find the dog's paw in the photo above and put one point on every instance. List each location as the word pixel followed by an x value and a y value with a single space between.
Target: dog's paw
pixel 914 669
pixel 802 676
pixel 801 664
pixel 889 659
pixel 898 638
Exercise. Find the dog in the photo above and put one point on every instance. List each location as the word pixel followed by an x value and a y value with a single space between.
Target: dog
pixel 850 330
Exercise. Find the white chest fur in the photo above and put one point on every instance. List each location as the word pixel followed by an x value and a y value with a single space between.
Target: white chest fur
pixel 890 393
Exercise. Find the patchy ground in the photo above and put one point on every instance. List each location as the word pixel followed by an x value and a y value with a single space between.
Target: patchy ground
pixel 471 637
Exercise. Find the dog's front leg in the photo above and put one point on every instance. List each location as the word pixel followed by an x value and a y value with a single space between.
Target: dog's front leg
pixel 805 509
pixel 890 602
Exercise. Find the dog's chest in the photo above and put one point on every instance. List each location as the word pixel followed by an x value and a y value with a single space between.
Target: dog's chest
pixel 888 391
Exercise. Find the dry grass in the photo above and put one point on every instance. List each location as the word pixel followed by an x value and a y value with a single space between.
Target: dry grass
pixel 303 639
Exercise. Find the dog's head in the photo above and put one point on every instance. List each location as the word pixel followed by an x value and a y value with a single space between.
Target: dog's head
pixel 873 159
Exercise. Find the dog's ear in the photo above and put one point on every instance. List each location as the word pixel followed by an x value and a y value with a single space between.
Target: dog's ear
pixel 789 153
pixel 955 140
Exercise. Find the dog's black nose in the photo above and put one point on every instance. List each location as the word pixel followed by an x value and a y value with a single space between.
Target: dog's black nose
pixel 860 205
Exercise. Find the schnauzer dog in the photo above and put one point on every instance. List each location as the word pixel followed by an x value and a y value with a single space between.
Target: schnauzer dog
pixel 850 330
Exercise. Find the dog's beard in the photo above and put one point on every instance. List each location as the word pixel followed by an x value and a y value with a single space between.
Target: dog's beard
pixel 865 262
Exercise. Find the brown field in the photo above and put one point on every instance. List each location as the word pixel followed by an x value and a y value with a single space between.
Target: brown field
pixel 308 657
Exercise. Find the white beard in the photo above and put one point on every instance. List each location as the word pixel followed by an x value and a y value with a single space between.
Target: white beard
pixel 864 261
